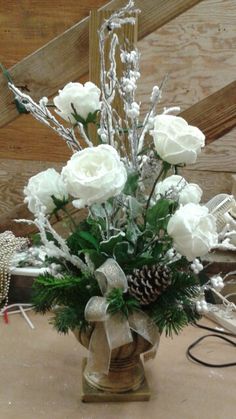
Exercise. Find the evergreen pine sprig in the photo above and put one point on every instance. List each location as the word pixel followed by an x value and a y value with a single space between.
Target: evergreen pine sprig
pixel 121 303
pixel 68 294
pixel 175 308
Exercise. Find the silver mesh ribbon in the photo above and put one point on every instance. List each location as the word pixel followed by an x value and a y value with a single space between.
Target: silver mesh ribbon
pixel 113 331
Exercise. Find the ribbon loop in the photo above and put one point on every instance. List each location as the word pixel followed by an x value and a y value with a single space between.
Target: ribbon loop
pixel 96 309
pixel 110 276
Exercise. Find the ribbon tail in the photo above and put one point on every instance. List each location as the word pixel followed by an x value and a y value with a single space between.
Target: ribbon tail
pixel 117 331
pixel 143 325
pixel 99 351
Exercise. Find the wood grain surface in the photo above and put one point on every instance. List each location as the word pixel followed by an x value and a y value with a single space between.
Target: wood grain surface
pixel 14 175
pixel 197 49
pixel 219 156
pixel 212 183
pixel 66 57
pixel 199 57
pixel 216 114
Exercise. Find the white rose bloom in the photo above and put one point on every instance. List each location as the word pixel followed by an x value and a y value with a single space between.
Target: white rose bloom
pixel 175 141
pixel 85 99
pixel 41 187
pixel 94 175
pixel 176 185
pixel 193 230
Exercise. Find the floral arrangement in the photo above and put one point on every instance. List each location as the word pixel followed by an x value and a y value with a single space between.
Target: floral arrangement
pixel 144 220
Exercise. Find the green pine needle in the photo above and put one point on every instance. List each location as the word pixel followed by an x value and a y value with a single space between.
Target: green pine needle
pixel 121 303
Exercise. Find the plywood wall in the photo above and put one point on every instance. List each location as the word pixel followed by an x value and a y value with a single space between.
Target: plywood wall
pixel 197 49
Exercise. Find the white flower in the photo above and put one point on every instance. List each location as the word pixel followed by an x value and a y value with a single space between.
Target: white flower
pixel 176 186
pixel 94 175
pixel 193 230
pixel 85 100
pixel 41 187
pixel 175 141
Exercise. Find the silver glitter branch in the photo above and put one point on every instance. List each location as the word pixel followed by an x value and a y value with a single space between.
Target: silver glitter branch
pixel 43 115
pixel 110 122
pixel 148 120
pixel 51 248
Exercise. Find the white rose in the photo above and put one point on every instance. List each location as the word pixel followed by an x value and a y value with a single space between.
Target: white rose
pixel 175 141
pixel 94 175
pixel 193 230
pixel 85 100
pixel 176 185
pixel 41 187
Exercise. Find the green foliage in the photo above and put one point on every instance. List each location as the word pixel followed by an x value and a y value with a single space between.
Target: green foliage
pixel 175 308
pixel 67 318
pixel 121 303
pixel 91 118
pixel 122 252
pixel 59 203
pixel 19 106
pixel 86 236
pixel 35 239
pixel 108 245
pixel 142 241
pixel 159 214
pixel 131 184
pixel 70 293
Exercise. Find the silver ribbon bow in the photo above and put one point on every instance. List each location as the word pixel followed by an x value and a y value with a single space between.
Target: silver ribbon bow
pixel 112 331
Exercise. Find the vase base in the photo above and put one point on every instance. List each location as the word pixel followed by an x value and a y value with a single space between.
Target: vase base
pixel 91 394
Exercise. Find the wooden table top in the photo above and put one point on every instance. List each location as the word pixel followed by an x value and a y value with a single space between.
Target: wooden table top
pixel 41 377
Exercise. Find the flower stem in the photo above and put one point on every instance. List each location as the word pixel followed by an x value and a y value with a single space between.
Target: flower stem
pixel 70 217
pixel 154 186
pixel 107 221
pixel 164 170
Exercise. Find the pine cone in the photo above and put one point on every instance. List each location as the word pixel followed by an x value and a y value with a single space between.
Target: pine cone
pixel 147 283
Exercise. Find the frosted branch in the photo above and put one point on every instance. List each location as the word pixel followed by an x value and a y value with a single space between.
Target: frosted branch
pixel 59 250
pixel 43 115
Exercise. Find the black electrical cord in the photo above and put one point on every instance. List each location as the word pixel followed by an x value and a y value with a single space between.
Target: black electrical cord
pixel 222 332
pixel 196 342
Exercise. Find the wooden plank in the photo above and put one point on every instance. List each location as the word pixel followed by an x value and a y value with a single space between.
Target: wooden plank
pixel 183 47
pixel 219 156
pixel 66 57
pixel 233 191
pixel 27 25
pixel 7 220
pixel 212 183
pixel 14 175
pixel 198 54
pixel 27 139
pixel 215 115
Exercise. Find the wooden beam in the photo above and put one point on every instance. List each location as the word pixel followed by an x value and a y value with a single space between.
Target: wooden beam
pixel 215 115
pixel 219 156
pixel 212 183
pixel 65 58
pixel 21 212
